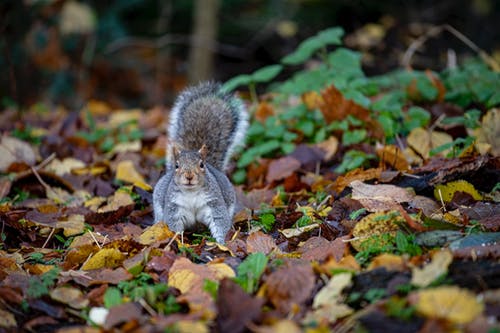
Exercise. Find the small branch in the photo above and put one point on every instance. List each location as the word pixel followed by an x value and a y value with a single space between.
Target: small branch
pixel 434 32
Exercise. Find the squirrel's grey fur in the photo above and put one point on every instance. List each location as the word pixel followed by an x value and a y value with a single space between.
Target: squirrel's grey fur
pixel 205 127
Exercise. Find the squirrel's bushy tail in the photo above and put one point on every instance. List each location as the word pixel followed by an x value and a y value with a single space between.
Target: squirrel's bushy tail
pixel 204 114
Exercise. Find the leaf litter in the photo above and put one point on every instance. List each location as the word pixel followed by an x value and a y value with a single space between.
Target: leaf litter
pixel 404 233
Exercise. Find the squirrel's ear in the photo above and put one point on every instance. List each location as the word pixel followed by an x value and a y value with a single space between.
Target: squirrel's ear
pixel 175 150
pixel 203 151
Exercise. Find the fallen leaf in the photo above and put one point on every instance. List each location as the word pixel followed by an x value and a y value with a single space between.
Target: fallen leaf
pixel 260 242
pixel 236 308
pixel 120 199
pixel 446 191
pixel 7 319
pixel 422 277
pixel 72 225
pixel 15 150
pixel 109 258
pixel 390 262
pixel 293 232
pixel 290 286
pixel 155 233
pixel 456 305
pixel 373 225
pixel 65 166
pixel 489 131
pixel 393 156
pixel 70 296
pixel 329 146
pixel 281 168
pixel 125 171
pixel 423 141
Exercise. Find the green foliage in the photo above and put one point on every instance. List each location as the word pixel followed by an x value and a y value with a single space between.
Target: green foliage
pixel 399 244
pixel 398 307
pixel 27 134
pixel 313 44
pixel 107 138
pixel 38 286
pixel 395 107
pixel 112 297
pixel 266 221
pixel 353 159
pixel 211 287
pixel 250 271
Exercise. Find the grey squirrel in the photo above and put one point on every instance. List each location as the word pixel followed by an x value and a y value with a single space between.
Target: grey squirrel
pixel 206 125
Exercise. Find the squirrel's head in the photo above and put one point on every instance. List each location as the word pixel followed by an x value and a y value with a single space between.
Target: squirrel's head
pixel 189 167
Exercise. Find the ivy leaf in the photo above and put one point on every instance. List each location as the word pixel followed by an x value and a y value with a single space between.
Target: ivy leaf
pixel 235 82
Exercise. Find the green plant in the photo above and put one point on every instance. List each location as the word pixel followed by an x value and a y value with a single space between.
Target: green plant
pixel 398 307
pixel 250 271
pixel 400 243
pixel 38 286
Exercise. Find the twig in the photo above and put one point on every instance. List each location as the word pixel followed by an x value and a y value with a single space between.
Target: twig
pixel 37 167
pixel 435 31
pixel 48 238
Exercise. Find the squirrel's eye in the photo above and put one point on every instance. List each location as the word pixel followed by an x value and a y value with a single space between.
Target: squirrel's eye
pixel 176 165
pixel 202 165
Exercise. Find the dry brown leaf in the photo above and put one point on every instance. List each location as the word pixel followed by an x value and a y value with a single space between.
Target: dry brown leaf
pixel 70 296
pixel 329 146
pixel 290 286
pixel 458 306
pixel 65 166
pixel 281 168
pixel 390 262
pixel 281 326
pixel 336 107
pixel 260 242
pixel 293 232
pixel 357 174
pixel 15 150
pixel 72 225
pixel 393 156
pixel 377 198
pixel 488 135
pixel 422 277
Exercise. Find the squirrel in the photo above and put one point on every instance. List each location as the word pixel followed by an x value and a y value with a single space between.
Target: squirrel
pixel 205 126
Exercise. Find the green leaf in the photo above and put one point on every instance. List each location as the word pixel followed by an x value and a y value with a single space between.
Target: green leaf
pixel 236 82
pixel 267 73
pixel 306 127
pixel 267 221
pixel 112 297
pixel 239 176
pixel 250 271
pixel 312 44
pixel 427 90
pixel 353 136
pixel 211 287
pixel 416 117
pixel 352 159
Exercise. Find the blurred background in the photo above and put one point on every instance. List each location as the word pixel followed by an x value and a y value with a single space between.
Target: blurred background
pixel 140 53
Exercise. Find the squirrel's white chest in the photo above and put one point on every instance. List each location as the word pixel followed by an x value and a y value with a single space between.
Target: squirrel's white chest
pixel 193 208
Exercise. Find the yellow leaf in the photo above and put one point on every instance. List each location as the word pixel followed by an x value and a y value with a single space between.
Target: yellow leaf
pixel 187 326
pixel 422 277
pixel 373 225
pixel 221 270
pixel 182 279
pixel 458 306
pixel 73 225
pixel 446 192
pixel 389 261
pixel 155 233
pixel 65 166
pixel 109 258
pixel 119 199
pixel 126 172
pixel 488 135
pixel 422 141
pixel 7 319
pixel 331 293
